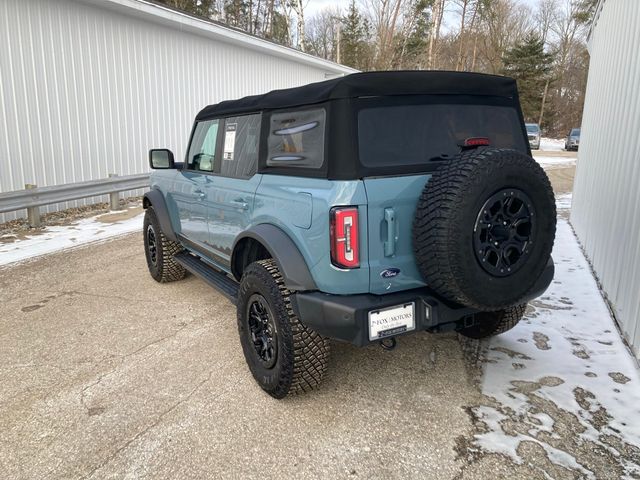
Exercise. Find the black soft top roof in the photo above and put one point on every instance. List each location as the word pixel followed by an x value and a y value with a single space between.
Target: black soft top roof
pixel 369 84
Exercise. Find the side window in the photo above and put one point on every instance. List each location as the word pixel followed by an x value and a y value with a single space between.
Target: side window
pixel 202 151
pixel 296 139
pixel 240 150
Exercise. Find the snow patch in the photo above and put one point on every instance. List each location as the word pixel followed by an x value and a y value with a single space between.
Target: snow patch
pixel 551 144
pixel 553 161
pixel 56 238
pixel 563 202
pixel 576 372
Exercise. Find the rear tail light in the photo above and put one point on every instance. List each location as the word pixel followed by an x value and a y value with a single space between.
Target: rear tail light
pixel 476 142
pixel 344 237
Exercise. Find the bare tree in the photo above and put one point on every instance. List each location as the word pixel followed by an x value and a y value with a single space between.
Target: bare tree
pixel 298 8
pixel 323 33
pixel 434 35
pixel 544 16
pixel 387 21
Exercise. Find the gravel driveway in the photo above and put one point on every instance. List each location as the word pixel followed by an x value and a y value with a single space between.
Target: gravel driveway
pixel 107 374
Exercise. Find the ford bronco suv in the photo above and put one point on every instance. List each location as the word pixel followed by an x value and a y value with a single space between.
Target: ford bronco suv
pixel 356 209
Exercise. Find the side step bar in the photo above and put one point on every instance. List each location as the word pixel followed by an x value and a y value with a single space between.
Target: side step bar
pixel 219 280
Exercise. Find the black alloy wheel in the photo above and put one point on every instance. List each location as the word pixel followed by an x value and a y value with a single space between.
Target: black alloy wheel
pixel 504 232
pixel 262 330
pixel 152 245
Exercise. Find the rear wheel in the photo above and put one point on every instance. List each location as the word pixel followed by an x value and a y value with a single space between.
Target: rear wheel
pixel 494 323
pixel 159 251
pixel 284 356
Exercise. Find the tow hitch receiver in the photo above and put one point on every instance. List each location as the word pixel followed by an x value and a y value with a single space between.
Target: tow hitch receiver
pixel 388 343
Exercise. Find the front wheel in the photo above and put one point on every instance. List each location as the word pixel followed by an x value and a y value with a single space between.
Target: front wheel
pixel 284 356
pixel 159 251
pixel 490 324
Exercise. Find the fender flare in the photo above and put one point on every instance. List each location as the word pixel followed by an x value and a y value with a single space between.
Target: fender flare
pixel 157 201
pixel 284 251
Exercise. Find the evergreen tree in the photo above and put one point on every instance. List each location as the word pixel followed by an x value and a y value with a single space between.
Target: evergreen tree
pixel 236 13
pixel 353 39
pixel 530 65
pixel 417 39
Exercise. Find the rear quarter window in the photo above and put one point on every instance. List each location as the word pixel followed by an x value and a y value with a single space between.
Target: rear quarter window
pixel 415 134
pixel 296 139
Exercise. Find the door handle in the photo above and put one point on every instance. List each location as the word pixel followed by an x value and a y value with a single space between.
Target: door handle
pixel 241 203
pixel 390 244
pixel 199 192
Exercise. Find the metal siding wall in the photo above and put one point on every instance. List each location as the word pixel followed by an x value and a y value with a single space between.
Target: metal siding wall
pixel 86 91
pixel 606 198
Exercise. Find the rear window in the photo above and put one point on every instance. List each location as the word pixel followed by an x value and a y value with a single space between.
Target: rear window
pixel 532 128
pixel 415 134
pixel 575 132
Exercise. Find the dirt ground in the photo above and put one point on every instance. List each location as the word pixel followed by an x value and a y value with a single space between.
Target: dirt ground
pixel 562 179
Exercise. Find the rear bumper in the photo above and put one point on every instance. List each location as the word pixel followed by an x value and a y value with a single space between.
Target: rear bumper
pixel 346 317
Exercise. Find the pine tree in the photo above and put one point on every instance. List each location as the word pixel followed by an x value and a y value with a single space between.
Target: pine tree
pixel 530 65
pixel 236 13
pixel 415 44
pixel 353 39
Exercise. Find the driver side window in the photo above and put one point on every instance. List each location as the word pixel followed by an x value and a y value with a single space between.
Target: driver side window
pixel 203 148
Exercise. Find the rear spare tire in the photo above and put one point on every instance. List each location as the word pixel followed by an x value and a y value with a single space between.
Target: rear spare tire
pixel 484 228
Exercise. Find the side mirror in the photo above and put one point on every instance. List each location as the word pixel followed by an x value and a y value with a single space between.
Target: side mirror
pixel 161 158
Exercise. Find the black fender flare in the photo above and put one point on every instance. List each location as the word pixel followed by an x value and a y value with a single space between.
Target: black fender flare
pixel 284 251
pixel 157 201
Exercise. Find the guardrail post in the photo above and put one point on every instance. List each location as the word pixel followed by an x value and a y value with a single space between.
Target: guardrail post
pixel 114 197
pixel 33 213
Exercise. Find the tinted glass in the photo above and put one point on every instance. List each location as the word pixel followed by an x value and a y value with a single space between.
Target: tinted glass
pixel 296 139
pixel 532 128
pixel 240 146
pixel 202 151
pixel 575 132
pixel 414 134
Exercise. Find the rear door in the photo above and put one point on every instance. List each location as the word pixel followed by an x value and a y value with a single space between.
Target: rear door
pixel 230 197
pixel 415 134
pixel 391 206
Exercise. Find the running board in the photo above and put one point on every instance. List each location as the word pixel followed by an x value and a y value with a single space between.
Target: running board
pixel 219 280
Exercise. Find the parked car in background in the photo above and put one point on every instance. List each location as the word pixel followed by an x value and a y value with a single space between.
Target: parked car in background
pixel 573 140
pixel 533 133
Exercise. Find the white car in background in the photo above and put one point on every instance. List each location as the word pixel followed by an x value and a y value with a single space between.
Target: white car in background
pixel 533 134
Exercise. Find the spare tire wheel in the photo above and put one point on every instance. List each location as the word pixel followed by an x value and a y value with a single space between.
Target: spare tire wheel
pixel 484 228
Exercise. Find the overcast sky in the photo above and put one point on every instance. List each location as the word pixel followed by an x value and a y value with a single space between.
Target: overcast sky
pixel 313 6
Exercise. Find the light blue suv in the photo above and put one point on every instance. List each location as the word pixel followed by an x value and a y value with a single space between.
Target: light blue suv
pixel 357 209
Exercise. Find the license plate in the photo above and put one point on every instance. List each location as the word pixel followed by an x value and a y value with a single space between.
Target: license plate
pixel 391 321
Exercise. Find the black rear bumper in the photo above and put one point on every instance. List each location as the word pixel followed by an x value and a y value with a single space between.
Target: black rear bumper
pixel 346 317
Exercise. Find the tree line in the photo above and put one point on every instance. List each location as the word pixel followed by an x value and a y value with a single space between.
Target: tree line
pixel 543 47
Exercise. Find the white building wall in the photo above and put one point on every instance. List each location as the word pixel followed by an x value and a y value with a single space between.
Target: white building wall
pixel 606 198
pixel 87 87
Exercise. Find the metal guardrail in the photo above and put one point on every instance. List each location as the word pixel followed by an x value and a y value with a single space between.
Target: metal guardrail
pixel 33 196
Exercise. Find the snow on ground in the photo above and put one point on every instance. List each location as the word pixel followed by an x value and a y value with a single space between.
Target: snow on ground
pixel 551 144
pixel 563 202
pixel 546 157
pixel 563 378
pixel 552 161
pixel 54 238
